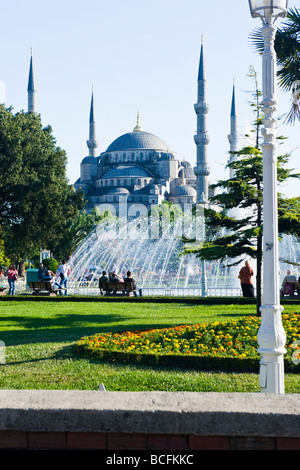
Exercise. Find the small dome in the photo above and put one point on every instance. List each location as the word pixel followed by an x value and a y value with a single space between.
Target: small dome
pixel 186 164
pixel 89 160
pixel 118 191
pixel 187 172
pixel 184 190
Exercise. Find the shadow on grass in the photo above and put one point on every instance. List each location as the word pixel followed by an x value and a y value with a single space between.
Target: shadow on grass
pixel 68 329
pixel 69 352
pixel 130 364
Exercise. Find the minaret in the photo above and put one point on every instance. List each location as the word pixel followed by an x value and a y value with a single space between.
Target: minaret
pixel 92 142
pixel 233 136
pixel 31 89
pixel 202 170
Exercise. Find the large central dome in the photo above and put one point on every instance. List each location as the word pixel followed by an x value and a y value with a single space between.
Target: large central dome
pixel 138 139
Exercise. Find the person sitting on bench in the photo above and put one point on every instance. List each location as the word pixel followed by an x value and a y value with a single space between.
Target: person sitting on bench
pixel 43 273
pixel 102 280
pixel 129 278
pixel 288 284
pixel 54 283
pixel 114 277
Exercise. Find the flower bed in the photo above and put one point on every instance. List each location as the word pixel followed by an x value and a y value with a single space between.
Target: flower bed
pixel 230 344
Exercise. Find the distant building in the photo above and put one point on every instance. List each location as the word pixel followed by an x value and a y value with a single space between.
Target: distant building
pixel 139 166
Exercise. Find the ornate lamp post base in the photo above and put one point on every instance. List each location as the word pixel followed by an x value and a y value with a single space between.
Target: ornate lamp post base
pixel 271 338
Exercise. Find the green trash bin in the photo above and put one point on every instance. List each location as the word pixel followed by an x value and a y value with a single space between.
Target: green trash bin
pixel 31 276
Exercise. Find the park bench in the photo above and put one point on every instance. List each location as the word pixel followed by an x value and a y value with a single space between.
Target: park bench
pixel 43 288
pixel 117 288
pixel 297 288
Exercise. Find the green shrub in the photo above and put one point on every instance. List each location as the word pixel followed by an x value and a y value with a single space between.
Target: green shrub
pixel 50 264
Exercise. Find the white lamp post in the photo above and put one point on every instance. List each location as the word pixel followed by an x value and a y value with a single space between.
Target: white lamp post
pixel 271 335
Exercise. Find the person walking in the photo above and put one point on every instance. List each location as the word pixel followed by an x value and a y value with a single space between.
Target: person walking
pixel 63 272
pixel 245 276
pixel 12 276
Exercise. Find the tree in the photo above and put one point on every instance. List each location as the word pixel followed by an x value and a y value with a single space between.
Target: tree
pixel 4 261
pixel 77 229
pixel 287 47
pixel 51 264
pixel 36 199
pixel 236 229
pixel 239 223
pixel 256 106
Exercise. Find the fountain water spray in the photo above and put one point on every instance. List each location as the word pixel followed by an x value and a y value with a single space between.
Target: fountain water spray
pixel 151 247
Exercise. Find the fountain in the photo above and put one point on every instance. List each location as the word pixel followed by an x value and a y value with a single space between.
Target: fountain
pixel 151 248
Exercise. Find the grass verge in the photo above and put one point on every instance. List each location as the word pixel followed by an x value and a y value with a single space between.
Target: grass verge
pixel 40 339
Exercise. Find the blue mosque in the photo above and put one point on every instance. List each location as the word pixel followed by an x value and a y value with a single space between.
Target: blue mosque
pixel 139 167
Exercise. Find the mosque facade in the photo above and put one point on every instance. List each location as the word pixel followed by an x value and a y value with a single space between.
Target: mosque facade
pixel 138 166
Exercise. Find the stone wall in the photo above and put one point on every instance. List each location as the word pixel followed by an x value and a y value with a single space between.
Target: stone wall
pixel 153 421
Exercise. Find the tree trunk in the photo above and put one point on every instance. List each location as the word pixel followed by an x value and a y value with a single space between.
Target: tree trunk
pixel 21 270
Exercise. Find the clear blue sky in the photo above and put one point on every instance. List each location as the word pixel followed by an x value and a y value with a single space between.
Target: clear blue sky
pixel 139 56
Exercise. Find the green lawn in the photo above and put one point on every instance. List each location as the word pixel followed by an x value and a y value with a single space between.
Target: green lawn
pixel 39 339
